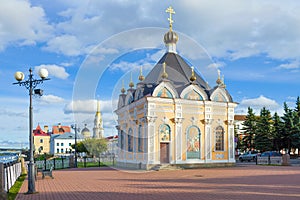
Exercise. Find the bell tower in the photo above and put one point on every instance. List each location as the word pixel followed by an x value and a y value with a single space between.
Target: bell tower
pixel 98 131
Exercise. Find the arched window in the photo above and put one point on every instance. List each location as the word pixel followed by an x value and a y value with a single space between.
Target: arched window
pixel 219 98
pixel 219 138
pixel 164 133
pixel 193 95
pixel 130 140
pixel 165 93
pixel 130 100
pixel 140 139
pixel 193 143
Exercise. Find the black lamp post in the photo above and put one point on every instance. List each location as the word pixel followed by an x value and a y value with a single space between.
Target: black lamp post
pixel 31 84
pixel 74 127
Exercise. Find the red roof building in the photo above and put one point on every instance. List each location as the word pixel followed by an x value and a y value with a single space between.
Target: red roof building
pixel 40 132
pixel 59 129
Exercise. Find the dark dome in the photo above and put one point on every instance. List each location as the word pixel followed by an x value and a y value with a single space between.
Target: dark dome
pixel 85 130
pixel 170 37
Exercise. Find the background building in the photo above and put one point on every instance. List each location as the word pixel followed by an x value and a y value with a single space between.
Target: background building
pixel 86 132
pixel 61 143
pixel 41 140
pixel 98 131
pixel 112 145
pixel 59 129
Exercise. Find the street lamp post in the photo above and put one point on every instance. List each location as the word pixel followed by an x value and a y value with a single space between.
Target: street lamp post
pixel 31 84
pixel 74 127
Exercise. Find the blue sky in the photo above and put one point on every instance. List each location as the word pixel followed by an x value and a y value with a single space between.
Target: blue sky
pixel 90 47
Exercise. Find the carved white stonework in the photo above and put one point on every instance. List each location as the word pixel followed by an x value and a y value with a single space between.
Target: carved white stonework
pixel 230 122
pixel 151 119
pixel 193 120
pixel 151 139
pixel 231 143
pixel 146 138
pixel 208 121
pixel 208 142
pixel 165 120
pixel 178 137
pixel 143 120
pixel 134 113
pixel 178 120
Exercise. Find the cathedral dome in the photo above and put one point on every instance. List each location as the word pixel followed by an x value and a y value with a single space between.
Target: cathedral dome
pixel 85 130
pixel 170 37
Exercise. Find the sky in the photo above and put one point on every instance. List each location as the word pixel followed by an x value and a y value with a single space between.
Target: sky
pixel 92 48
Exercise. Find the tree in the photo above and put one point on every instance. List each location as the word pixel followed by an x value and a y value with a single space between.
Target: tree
pixel 297 108
pixel 264 138
pixel 288 127
pixel 277 132
pixel 80 147
pixel 295 138
pixel 249 130
pixel 95 146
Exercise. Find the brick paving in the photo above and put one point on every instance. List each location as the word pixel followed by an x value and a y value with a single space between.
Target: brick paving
pixel 241 182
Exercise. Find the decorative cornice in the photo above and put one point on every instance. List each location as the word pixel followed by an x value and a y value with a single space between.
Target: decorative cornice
pixel 207 121
pixel 151 119
pixel 177 120
pixel 229 122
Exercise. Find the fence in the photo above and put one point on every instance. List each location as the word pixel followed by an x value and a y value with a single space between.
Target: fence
pixel 107 160
pixel 269 160
pixel 60 163
pixel 9 172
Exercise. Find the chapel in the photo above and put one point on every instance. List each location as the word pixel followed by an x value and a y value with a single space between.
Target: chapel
pixel 173 117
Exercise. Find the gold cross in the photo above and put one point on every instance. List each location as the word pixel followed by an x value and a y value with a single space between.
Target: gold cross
pixel 170 11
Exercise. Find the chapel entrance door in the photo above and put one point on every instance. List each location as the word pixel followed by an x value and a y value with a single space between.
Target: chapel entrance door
pixel 164 153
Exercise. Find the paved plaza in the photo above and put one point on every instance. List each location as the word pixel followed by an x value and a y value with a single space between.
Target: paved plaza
pixel 240 182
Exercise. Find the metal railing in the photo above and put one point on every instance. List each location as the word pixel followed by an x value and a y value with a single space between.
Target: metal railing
pixel 60 163
pixel 9 172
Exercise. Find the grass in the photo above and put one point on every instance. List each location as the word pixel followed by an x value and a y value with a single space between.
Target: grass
pixel 14 190
pixel 94 164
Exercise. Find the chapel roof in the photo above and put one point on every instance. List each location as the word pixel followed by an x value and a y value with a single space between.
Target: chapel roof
pixel 179 72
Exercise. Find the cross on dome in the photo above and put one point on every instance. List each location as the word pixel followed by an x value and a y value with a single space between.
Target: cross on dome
pixel 171 11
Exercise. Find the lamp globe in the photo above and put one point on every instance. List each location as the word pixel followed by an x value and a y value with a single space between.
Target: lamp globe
pixel 43 73
pixel 19 76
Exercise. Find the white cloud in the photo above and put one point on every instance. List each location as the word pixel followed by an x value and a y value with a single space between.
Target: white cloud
pixel 54 70
pixel 257 104
pixel 130 66
pixel 102 50
pixel 51 99
pixel 65 44
pixel 156 56
pixel 88 106
pixel 290 66
pixel 146 63
pixel 237 30
pixel 261 101
pixel 22 23
pixel 11 113
pixel 216 65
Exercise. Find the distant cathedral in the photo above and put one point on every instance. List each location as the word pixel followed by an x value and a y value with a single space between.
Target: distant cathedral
pixel 174 117
pixel 98 131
